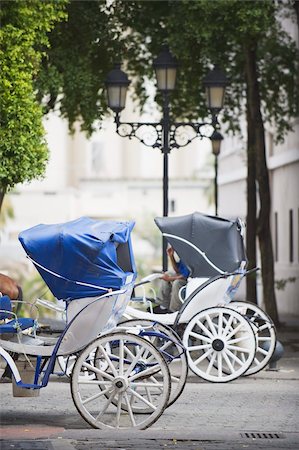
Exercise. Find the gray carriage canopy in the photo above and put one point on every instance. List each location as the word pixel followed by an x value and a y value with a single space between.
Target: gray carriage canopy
pixel 208 245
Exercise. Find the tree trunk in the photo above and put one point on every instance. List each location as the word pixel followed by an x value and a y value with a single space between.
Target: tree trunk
pixel 262 176
pixel 251 291
pixel 2 193
pixel 296 6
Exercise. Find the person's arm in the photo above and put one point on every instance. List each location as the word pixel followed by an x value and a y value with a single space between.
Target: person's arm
pixel 168 277
pixel 177 275
pixel 170 252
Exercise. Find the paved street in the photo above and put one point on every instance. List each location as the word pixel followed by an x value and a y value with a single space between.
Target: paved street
pixel 256 412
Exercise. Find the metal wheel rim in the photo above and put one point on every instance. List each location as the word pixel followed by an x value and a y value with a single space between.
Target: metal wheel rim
pixel 232 331
pixel 262 355
pixel 122 371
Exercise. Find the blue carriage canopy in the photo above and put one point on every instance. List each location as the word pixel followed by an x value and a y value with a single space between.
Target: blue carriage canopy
pixel 208 245
pixel 83 257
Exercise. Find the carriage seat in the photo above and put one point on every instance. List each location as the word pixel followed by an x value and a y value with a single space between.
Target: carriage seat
pixel 8 325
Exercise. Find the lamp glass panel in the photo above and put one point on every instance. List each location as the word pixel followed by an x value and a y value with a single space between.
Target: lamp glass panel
pixel 171 77
pixel 166 78
pixel 215 97
pixel 216 147
pixel 161 79
pixel 116 97
pixel 123 93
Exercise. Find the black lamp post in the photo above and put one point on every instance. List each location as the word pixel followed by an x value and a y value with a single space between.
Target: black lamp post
pixel 165 134
pixel 216 139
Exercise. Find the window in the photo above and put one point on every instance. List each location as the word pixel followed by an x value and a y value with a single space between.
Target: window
pixel 291 237
pixel 97 160
pixel 276 236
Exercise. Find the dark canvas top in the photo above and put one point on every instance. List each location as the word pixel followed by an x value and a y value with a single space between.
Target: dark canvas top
pixel 78 258
pixel 208 245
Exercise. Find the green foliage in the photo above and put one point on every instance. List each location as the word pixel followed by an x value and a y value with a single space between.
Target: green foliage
pixel 83 50
pixel 7 212
pixel 281 283
pixel 23 40
pixel 199 33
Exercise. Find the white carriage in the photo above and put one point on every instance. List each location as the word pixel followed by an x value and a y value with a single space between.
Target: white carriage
pixel 119 378
pixel 223 339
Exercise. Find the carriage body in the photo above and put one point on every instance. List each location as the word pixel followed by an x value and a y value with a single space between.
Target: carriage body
pixel 213 250
pixel 90 265
pixel 223 339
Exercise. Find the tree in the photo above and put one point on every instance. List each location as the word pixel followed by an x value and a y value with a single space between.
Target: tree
pixel 245 38
pixel 23 38
pixel 82 51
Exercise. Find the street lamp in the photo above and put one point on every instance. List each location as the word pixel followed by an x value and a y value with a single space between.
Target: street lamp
pixel 216 139
pixel 166 134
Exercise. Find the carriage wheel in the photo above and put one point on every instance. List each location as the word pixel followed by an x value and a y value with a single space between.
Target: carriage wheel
pixel 220 344
pixel 172 350
pixel 129 380
pixel 265 333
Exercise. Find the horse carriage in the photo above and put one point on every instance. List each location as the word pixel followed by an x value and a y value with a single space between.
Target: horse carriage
pixel 224 339
pixel 128 365
pixel 119 379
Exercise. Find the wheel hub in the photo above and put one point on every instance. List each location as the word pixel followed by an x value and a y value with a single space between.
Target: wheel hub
pixel 218 345
pixel 120 383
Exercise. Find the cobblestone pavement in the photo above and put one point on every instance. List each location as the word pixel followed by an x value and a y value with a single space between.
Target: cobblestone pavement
pixel 255 412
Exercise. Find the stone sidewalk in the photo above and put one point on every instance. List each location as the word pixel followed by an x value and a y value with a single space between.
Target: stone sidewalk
pixel 254 412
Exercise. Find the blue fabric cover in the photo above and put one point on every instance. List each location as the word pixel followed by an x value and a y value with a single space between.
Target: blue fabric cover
pixel 5 305
pixel 183 269
pixel 82 250
pixel 13 326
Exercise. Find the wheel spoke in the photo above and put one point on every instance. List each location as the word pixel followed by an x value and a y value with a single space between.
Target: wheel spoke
pixel 201 337
pixel 227 325
pixel 108 360
pixel 98 371
pixel 219 364
pixel 96 382
pixel 220 322
pixel 204 356
pixel 239 339
pixel 153 407
pixel 262 350
pixel 106 405
pixel 234 357
pixel 211 363
pixel 238 349
pixel 143 373
pixel 264 338
pixel 121 357
pixel 204 329
pixel 229 364
pixel 234 331
pixel 199 347
pixel 130 411
pixel 118 412
pixel 95 396
pixel 266 326
pixel 135 360
pixel 211 325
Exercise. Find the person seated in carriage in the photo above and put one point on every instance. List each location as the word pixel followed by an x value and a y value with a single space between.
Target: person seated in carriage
pixel 9 287
pixel 171 283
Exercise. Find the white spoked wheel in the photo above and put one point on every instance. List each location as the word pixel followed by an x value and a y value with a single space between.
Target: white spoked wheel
pixel 172 350
pixel 220 344
pixel 129 379
pixel 265 333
